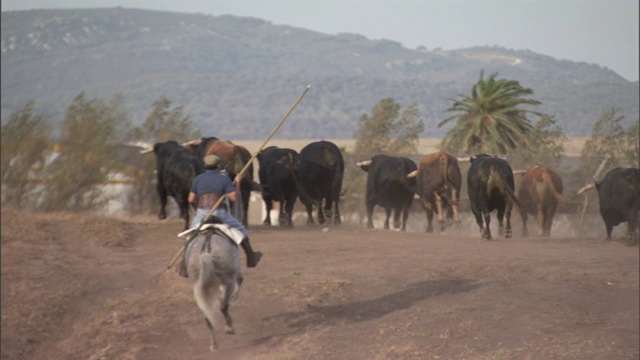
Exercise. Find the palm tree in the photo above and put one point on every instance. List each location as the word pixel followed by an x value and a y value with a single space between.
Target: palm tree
pixel 491 120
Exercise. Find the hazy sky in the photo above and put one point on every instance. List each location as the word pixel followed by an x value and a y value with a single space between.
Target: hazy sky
pixel 604 32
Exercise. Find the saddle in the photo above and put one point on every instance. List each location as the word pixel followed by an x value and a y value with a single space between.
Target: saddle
pixel 213 224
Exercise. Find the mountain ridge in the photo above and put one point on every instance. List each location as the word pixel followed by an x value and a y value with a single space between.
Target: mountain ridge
pixel 236 73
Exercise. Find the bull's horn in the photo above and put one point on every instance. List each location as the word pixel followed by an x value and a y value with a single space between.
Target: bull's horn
pixel 364 163
pixel 146 147
pixel 465 159
pixel 586 188
pixel 140 144
pixel 412 174
pixel 519 172
pixel 195 142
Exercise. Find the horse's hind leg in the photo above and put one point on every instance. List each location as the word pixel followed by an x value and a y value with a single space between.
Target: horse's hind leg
pixel 205 303
pixel 224 308
pixel 214 343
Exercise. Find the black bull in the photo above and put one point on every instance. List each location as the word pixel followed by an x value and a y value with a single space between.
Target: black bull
pixel 321 173
pixel 279 181
pixel 176 168
pixel 619 196
pixel 490 186
pixel 389 187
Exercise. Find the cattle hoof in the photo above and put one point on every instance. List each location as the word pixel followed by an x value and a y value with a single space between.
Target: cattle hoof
pixel 337 220
pixel 230 330
pixel 162 217
pixel 508 234
pixel 397 224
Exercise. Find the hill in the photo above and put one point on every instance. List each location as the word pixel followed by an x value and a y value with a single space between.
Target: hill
pixel 236 73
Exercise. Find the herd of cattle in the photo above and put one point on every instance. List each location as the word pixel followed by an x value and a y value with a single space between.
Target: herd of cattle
pixel 315 175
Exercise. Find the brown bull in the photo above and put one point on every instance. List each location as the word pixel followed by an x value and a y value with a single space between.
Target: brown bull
pixel 438 184
pixel 234 158
pixel 539 194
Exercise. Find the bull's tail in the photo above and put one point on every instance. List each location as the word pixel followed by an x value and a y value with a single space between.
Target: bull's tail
pixel 559 197
pixel 444 163
pixel 302 193
pixel 511 195
pixel 504 188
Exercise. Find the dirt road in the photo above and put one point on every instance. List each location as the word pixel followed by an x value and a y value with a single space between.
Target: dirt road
pixel 93 287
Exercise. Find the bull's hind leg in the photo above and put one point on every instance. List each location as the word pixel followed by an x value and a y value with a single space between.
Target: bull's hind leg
pixel 337 218
pixel 268 203
pixel 548 221
pixel 396 218
pixel 184 211
pixel 405 216
pixel 500 222
pixel 454 205
pixel 540 217
pixel 162 195
pixel 478 214
pixel 429 213
pixel 486 232
pixel 524 216
pixel 370 216
pixel 508 231
pixel 632 227
pixel 440 210
pixel 309 208
pixel 387 211
pixel 323 213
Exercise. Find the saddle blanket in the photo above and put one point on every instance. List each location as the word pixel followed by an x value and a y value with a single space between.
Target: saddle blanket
pixel 232 233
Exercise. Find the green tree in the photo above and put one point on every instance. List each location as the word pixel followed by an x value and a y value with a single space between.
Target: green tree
pixel 546 148
pixel 90 133
pixel 166 123
pixel 24 146
pixel 163 123
pixel 609 140
pixel 492 119
pixel 388 130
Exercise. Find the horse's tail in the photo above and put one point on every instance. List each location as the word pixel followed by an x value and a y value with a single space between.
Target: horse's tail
pixel 205 288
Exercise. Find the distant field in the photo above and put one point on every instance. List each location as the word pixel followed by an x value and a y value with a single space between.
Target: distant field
pixel 426 146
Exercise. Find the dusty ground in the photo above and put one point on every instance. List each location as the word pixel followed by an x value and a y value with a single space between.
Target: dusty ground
pixel 93 287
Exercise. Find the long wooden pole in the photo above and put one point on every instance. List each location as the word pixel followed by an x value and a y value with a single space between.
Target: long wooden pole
pixel 241 173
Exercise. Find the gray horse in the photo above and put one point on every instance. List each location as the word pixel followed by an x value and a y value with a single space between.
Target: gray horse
pixel 213 269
